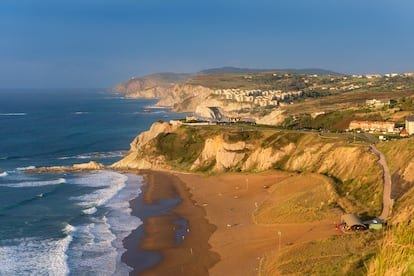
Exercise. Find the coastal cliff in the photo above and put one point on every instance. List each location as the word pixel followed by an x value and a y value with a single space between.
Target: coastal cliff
pixel 138 156
pixel 182 95
pixel 217 149
pixel 151 86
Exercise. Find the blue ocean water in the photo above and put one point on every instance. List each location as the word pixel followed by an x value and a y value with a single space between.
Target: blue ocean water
pixel 67 223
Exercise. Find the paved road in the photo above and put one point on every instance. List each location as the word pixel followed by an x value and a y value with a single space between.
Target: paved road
pixel 386 197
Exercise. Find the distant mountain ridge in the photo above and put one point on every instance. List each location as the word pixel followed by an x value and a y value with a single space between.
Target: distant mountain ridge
pixel 171 77
pixel 235 70
pixel 167 77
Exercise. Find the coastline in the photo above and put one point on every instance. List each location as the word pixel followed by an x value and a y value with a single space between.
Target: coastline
pixel 223 238
pixel 170 211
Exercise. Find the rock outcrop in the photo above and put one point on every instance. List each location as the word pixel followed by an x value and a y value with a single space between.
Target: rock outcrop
pixel 90 166
pixel 138 156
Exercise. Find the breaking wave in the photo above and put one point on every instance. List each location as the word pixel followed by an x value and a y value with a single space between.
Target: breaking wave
pixel 26 168
pixel 98 244
pixel 13 114
pixel 3 174
pixel 93 155
pixel 26 256
pixel 35 183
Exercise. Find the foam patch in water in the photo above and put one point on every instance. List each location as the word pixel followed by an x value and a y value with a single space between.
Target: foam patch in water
pixel 34 256
pixel 35 183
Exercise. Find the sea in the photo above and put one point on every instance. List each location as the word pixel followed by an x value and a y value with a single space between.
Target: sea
pixel 68 223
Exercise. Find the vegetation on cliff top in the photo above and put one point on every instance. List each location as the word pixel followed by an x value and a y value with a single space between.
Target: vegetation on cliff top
pixel 356 177
pixel 337 255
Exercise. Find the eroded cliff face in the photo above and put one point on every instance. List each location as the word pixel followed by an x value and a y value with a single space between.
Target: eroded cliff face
pixel 212 151
pixel 185 97
pixel 151 86
pixel 309 153
pixel 223 155
pixel 141 154
pixel 142 88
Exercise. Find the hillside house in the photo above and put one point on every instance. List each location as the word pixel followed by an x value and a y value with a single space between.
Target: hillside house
pixel 377 103
pixel 373 126
pixel 409 125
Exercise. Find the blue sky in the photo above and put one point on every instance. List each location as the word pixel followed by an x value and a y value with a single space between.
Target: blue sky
pixel 99 43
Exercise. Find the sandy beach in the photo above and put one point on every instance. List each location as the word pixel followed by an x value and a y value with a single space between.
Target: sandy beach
pixel 190 255
pixel 222 237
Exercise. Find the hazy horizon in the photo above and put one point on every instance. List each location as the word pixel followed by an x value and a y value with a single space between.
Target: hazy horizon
pixel 88 44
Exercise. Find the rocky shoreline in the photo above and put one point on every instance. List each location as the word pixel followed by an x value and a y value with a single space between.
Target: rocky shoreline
pixel 90 166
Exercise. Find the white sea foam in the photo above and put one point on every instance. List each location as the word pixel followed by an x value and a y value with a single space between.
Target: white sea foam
pixel 114 98
pixel 80 113
pixel 109 183
pixel 35 183
pixel 92 250
pixel 69 228
pixel 34 256
pixel 90 211
pixel 26 168
pixel 93 155
pixel 3 174
pixel 121 221
pixel 151 112
pixel 13 114
pixel 98 245
pixel 156 107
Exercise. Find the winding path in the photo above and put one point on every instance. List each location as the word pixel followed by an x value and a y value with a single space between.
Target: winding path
pixel 386 197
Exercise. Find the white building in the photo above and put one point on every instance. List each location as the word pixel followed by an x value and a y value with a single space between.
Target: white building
pixel 409 124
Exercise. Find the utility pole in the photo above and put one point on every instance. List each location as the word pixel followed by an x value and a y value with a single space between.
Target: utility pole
pixel 280 238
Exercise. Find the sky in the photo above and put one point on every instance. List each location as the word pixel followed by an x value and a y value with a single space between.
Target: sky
pixel 100 43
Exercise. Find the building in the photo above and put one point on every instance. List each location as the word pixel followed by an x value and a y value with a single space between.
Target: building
pixel 378 103
pixel 409 125
pixel 353 223
pixel 373 126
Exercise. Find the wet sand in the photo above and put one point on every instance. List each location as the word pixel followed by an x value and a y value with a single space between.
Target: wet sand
pixel 182 251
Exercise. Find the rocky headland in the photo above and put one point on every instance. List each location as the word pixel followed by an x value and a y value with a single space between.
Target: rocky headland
pixel 90 166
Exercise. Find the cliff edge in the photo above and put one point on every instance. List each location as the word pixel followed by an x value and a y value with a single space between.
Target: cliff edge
pixel 237 148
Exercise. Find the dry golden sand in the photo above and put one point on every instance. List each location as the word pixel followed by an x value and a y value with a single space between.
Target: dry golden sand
pixel 223 238
pixel 230 200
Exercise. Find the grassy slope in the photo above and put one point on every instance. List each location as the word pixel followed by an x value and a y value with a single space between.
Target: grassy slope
pixel 338 255
pixel 387 253
pixel 307 197
pixel 395 253
pixel 399 155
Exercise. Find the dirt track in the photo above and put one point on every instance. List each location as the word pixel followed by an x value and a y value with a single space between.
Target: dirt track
pixel 386 198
